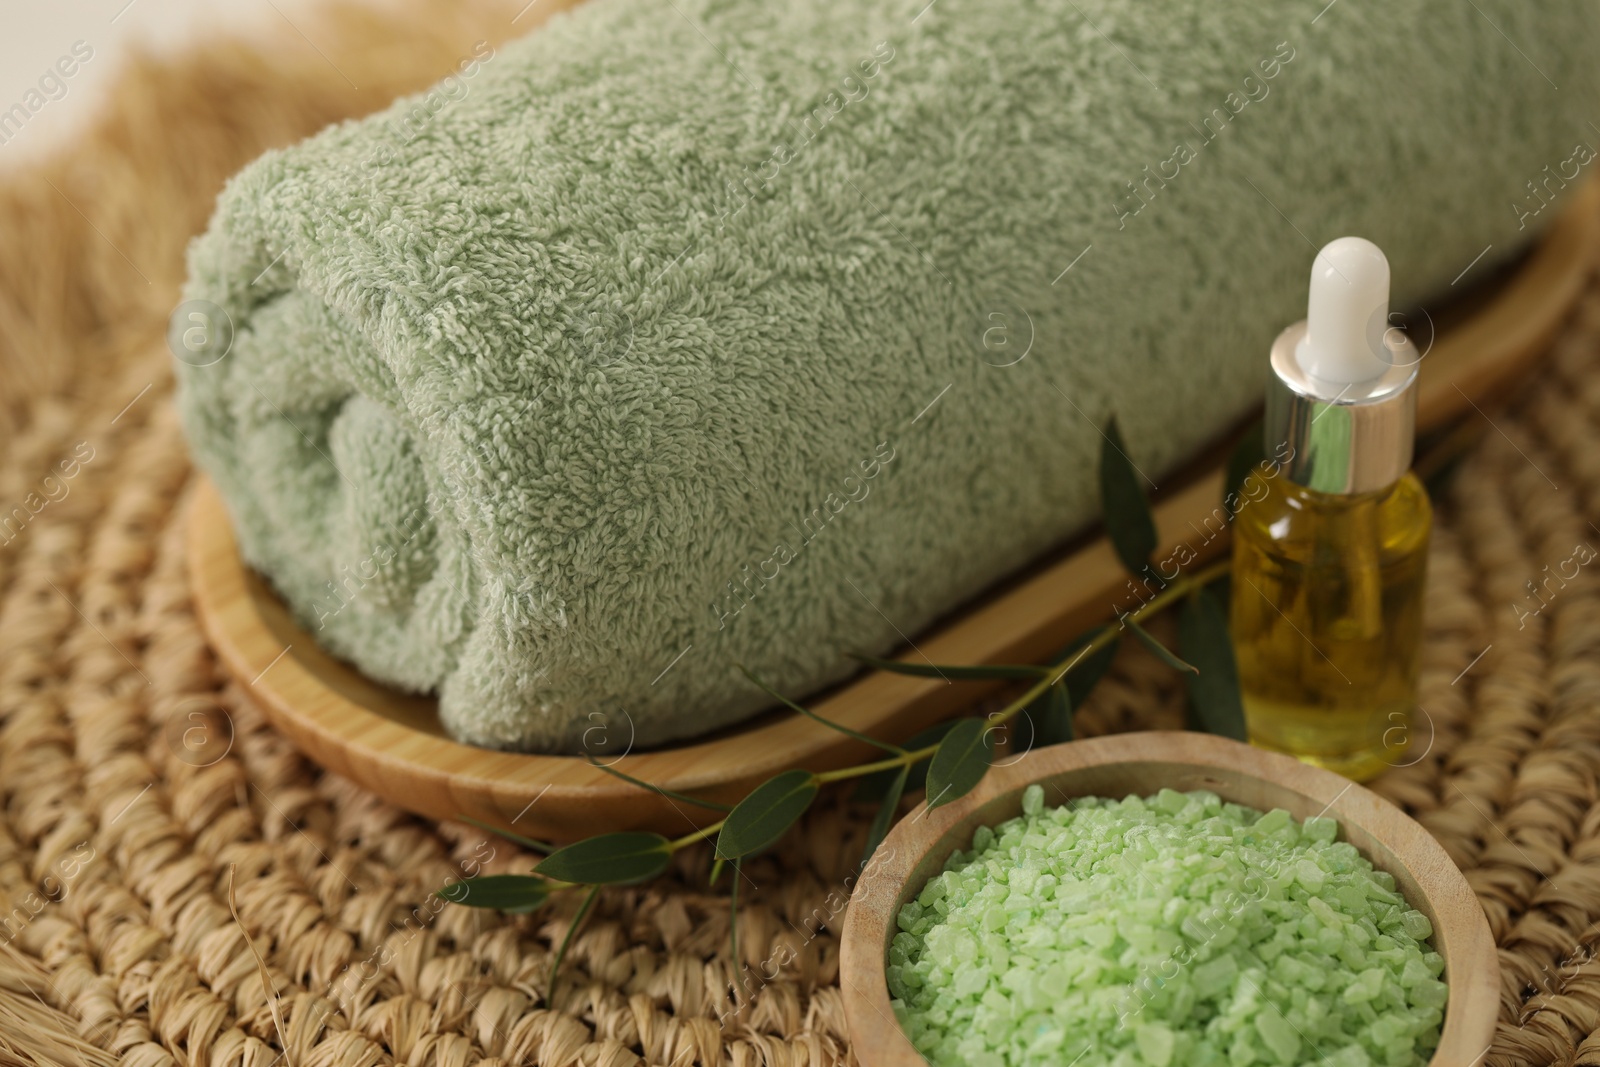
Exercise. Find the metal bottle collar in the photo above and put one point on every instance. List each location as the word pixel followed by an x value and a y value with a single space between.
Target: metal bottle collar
pixel 1344 439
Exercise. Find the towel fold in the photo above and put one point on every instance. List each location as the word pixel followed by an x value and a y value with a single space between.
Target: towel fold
pixel 692 333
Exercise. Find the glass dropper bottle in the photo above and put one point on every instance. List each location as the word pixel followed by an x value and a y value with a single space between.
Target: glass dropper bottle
pixel 1329 558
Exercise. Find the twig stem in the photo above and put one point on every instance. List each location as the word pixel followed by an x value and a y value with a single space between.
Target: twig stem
pixel 1179 588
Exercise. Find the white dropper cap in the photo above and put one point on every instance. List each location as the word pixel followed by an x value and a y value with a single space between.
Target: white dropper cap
pixel 1347 313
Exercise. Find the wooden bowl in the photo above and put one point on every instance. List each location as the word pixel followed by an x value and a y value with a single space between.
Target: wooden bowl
pixel 1143 763
pixel 392 743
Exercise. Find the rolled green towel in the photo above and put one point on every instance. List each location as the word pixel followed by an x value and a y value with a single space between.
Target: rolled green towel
pixel 686 334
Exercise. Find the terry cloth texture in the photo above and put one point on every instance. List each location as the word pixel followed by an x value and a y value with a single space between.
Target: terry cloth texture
pixel 685 335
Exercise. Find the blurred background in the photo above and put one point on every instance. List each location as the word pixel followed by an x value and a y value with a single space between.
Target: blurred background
pixel 37 35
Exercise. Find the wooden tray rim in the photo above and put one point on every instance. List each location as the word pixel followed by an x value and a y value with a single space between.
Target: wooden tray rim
pixel 435 776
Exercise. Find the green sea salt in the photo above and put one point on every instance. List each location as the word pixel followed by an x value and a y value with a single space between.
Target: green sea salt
pixel 1162 931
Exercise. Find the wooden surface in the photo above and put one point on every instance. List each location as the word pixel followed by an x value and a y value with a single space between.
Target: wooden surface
pixel 392 743
pixel 1143 763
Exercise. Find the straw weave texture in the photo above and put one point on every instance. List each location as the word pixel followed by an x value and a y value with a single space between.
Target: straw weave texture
pixel 117 848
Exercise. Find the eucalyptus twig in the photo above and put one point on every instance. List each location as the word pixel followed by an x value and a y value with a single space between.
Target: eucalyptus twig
pixel 686 798
pixel 948 760
pixel 561 953
pixel 695 836
pixel 808 713
pixel 542 847
pixel 1178 589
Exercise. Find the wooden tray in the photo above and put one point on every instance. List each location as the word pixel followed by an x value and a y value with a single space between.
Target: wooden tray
pixel 1145 763
pixel 392 743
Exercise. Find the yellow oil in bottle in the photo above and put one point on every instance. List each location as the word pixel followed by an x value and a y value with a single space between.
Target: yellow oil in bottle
pixel 1327 620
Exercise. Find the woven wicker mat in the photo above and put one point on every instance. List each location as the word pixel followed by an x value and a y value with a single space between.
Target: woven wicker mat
pixel 116 854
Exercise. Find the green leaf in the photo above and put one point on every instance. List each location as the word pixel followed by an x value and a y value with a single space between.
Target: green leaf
pixel 874 787
pixel 762 817
pixel 1123 504
pixel 686 798
pixel 893 750
pixel 514 893
pixel 1051 718
pixel 994 672
pixel 561 953
pixel 610 859
pixel 1222 590
pixel 1163 653
pixel 1086 674
pixel 886 813
pixel 1214 692
pixel 959 765
pixel 1241 461
pixel 716 870
pixel 541 847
